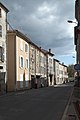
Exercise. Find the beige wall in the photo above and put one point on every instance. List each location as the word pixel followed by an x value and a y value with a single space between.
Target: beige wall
pixel 65 74
pixel 19 70
pixel 37 62
pixel 56 72
pixel 18 77
pixel 32 60
pixel 43 66
pixel 11 63
pixel 61 73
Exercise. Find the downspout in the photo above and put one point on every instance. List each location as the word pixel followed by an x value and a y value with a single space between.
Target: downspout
pixel 6 78
pixel 15 54
pixel 29 85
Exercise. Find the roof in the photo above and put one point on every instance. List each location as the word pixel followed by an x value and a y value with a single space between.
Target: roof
pixel 20 34
pixel 5 8
pixel 56 60
pixel 64 65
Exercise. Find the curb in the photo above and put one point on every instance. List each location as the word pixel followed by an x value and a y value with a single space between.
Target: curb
pixel 65 116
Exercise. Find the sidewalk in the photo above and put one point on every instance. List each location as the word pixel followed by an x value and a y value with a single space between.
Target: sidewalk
pixel 72 111
pixel 13 93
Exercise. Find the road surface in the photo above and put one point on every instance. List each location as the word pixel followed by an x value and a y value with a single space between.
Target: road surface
pixel 36 104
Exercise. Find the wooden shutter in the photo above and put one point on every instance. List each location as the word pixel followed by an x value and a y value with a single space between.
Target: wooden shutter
pixel 2 56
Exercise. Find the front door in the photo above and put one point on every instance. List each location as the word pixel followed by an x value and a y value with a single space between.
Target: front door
pixel 50 79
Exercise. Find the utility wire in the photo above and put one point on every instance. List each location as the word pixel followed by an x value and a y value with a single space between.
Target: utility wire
pixel 10 25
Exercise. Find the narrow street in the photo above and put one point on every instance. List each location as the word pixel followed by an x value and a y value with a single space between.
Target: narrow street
pixel 36 104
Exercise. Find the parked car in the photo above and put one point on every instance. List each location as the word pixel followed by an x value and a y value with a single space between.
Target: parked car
pixel 71 79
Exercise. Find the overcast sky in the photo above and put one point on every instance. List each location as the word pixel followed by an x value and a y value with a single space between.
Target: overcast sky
pixel 45 23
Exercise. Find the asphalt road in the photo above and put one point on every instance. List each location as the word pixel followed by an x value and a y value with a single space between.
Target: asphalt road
pixel 36 104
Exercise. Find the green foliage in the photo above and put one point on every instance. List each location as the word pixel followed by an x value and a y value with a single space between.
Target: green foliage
pixel 71 70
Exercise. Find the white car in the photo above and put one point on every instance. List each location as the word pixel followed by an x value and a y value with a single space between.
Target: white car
pixel 71 79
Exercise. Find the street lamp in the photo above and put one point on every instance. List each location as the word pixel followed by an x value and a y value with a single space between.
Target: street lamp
pixel 73 56
pixel 70 21
pixel 77 23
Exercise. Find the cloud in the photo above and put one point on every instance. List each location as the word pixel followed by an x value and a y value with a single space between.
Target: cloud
pixel 45 22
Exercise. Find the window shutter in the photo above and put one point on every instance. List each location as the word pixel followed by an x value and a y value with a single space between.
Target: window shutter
pixel 0 52
pixel 0 12
pixel 26 47
pixel 2 56
pixel 23 62
pixel 19 61
pixel 0 31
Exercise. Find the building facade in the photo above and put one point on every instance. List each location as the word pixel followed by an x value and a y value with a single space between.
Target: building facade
pixel 50 68
pixel 32 65
pixel 43 68
pixel 3 47
pixel 29 66
pixel 61 73
pixel 18 61
pixel 26 63
pixel 38 66
pixel 65 73
pixel 77 35
pixel 49 65
pixel 77 31
pixel 56 71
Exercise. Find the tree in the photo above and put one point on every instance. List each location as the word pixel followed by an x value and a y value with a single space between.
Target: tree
pixel 71 70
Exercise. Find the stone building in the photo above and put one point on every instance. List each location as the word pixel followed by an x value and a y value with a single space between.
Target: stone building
pixel 3 47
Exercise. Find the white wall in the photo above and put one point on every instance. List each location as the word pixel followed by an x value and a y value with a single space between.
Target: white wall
pixel 3 40
pixel 50 69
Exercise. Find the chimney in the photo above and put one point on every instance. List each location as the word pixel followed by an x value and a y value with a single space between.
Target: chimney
pixel 49 50
pixel 62 63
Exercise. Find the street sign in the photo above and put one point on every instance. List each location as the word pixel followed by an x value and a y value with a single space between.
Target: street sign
pixel 77 66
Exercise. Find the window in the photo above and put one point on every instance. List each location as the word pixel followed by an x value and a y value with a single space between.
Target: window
pixel 26 48
pixel 41 58
pixel 33 53
pixel 1 54
pixel 21 45
pixel 33 66
pixel 50 60
pixel 0 31
pixel 0 12
pixel 26 63
pixel 21 62
pixel 44 60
